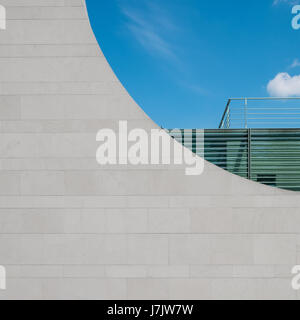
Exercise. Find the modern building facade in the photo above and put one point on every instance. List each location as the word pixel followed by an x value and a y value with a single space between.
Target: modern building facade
pixel 71 229
pixel 257 139
pixel 268 156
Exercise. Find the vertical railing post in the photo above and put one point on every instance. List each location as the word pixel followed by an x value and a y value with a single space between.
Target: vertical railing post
pixel 194 141
pixel 182 136
pixel 246 113
pixel 228 118
pixel 249 154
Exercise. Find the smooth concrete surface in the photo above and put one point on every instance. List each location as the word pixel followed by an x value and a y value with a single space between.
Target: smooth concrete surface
pixel 72 229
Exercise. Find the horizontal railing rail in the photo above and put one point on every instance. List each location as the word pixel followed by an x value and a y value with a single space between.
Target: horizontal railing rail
pixel 261 113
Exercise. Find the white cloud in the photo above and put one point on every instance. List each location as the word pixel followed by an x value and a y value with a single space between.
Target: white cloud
pixel 156 30
pixel 196 88
pixel 295 64
pixel 284 85
pixel 152 29
pixel 290 2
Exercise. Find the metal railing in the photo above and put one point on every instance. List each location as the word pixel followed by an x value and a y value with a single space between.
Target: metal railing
pixel 258 139
pixel 261 113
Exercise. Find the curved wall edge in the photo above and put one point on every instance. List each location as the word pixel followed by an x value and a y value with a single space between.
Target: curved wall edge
pixel 72 229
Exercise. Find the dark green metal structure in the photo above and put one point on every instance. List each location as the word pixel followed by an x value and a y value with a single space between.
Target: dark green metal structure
pixel 258 139
pixel 268 156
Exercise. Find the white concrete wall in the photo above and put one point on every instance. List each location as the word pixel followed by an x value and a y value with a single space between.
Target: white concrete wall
pixel 71 229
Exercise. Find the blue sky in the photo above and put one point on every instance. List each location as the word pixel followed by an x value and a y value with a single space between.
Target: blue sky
pixel 182 59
